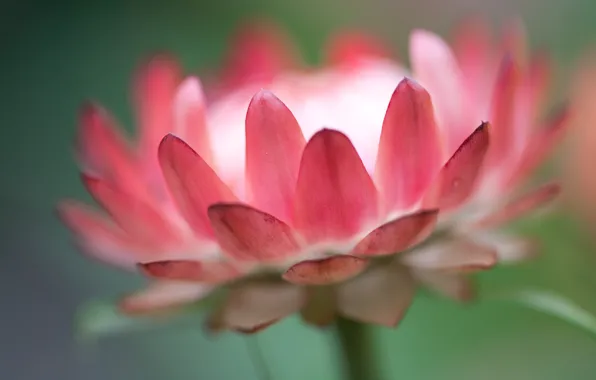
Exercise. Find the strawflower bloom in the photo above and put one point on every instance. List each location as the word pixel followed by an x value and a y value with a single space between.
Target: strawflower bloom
pixel 334 191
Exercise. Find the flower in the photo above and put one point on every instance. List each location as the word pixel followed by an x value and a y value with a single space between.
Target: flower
pixel 300 196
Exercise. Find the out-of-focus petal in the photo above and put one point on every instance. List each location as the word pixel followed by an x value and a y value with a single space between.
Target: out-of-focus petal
pixel 247 234
pixel 209 272
pixel 380 296
pixel 335 196
pixel 350 49
pixel 455 286
pixel 397 235
pixel 460 255
pixel 410 151
pixel 320 309
pixel 326 271
pixel 274 145
pixel 192 183
pixel 162 296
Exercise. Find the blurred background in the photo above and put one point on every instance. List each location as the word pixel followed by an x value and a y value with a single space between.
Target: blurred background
pixel 55 54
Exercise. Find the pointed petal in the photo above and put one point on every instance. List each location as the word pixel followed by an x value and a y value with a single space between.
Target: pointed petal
pixel 521 206
pixel 381 296
pixel 190 119
pixel 350 50
pixel 455 286
pixel 253 306
pixel 98 236
pixel 163 296
pixel 410 151
pixel 457 179
pixel 274 145
pixel 326 271
pixel 398 235
pixel 193 184
pixel 335 196
pixel 455 256
pixel 209 272
pixel 320 309
pixel 247 234
pixel 436 68
pixel 510 249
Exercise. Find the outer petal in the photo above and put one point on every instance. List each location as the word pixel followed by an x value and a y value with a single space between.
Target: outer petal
pixel 457 179
pixel 455 256
pixel 380 296
pixel 274 145
pixel 247 234
pixel 326 271
pixel 251 307
pixel 410 151
pixel 193 184
pixel 209 272
pixel 510 249
pixel 454 286
pixel 398 235
pixel 335 196
pixel 163 296
pixel 350 50
pixel 320 309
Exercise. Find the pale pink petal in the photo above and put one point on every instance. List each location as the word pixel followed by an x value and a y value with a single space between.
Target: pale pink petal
pixel 350 49
pixel 190 119
pixel 398 235
pixel 192 183
pixel 457 179
pixel 162 296
pixel 209 272
pixel 381 296
pixel 247 234
pixel 410 151
pixel 320 308
pixel 335 196
pixel 325 271
pixel 521 206
pixel 436 68
pixel 251 307
pixel 510 249
pixel 453 256
pixel 274 145
pixel 455 286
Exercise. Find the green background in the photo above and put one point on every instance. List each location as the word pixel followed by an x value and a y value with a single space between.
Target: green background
pixel 57 54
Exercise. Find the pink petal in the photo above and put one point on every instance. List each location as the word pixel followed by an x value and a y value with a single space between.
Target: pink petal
pixel 139 219
pixel 410 151
pixel 247 234
pixel 455 256
pixel 163 296
pixel 190 119
pixel 325 271
pixel 398 235
pixel 436 68
pixel 320 308
pixel 455 286
pixel 274 145
pixel 381 296
pixel 457 179
pixel 521 206
pixel 209 272
pixel 515 42
pixel 335 196
pixel 251 307
pixel 349 50
pixel 98 236
pixel 192 183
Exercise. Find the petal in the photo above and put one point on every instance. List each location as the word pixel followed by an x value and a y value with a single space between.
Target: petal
pixel 193 184
pixel 454 256
pixel 510 249
pixel 381 296
pixel 326 271
pixel 190 119
pixel 210 272
pixel 350 49
pixel 437 70
pixel 162 296
pixel 320 308
pixel 274 145
pixel 455 286
pixel 457 179
pixel 253 306
pixel 410 151
pixel 137 218
pixel 247 234
pixel 398 235
pixel 335 196
pixel 521 206
pixel 98 235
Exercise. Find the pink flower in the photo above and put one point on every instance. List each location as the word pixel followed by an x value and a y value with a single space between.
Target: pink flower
pixel 300 196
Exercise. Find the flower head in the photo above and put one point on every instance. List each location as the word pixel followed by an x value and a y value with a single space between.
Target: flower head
pixel 336 190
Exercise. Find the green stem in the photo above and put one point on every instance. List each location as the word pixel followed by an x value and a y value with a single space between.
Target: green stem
pixel 357 350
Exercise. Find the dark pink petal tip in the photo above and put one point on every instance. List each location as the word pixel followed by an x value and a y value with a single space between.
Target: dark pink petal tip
pixel 326 271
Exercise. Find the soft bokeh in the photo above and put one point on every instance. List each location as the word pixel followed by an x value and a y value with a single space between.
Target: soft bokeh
pixel 57 54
